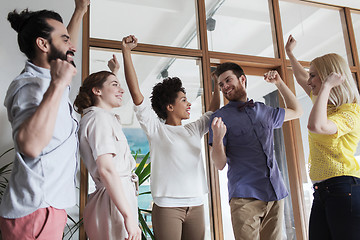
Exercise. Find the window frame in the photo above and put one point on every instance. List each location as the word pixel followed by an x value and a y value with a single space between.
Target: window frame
pixel 252 65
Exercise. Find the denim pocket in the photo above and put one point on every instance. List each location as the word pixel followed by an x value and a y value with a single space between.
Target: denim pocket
pixel 339 190
pixel 355 200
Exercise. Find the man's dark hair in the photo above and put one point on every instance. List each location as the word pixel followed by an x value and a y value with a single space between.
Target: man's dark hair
pixel 165 93
pixel 237 70
pixel 31 25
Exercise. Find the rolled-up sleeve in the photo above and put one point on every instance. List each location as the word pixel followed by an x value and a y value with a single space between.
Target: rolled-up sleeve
pixel 147 118
pixel 100 136
pixel 278 116
pixel 25 102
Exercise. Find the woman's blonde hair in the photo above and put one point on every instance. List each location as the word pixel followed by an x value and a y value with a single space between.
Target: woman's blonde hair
pixel 347 92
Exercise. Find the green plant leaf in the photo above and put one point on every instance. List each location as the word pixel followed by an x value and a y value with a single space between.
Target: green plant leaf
pixel 72 230
pixel 145 174
pixel 143 193
pixel 144 226
pixel 6 152
pixel 145 210
pixel 143 237
pixel 4 169
pixel 69 217
pixel 146 178
pixel 142 164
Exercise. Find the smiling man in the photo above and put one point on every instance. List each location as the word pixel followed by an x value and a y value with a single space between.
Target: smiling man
pixel 241 135
pixel 42 182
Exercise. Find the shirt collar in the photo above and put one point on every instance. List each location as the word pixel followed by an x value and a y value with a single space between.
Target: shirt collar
pixel 236 103
pixel 37 71
pixel 98 109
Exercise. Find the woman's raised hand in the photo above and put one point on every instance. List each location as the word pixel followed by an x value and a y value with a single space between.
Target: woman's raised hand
pixel 129 43
pixel 334 79
pixel 290 45
pixel 114 65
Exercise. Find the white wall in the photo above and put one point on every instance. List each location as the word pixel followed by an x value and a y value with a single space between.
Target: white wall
pixel 12 60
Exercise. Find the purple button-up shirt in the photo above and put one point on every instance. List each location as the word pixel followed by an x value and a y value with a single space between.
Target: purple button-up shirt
pixel 249 141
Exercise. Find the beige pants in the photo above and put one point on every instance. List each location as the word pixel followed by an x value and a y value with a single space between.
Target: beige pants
pixel 254 219
pixel 178 223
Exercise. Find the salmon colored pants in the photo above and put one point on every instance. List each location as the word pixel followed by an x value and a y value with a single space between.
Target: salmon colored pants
pixel 43 224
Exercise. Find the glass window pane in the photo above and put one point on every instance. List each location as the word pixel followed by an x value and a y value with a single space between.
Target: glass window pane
pixel 149 70
pixel 261 91
pixel 236 27
pixel 318 31
pixel 164 22
pixel 306 105
pixel 355 16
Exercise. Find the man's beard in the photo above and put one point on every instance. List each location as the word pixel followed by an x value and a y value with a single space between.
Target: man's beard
pixel 56 54
pixel 238 95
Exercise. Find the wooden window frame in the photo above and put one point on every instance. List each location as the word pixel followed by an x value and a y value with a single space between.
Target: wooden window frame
pixel 253 65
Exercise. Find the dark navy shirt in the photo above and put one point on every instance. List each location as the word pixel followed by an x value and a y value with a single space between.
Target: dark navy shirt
pixel 249 141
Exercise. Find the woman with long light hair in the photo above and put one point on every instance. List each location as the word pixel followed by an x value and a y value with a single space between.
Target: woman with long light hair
pixel 334 132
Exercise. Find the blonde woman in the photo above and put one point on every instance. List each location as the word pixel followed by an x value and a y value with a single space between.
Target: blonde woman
pixel 334 132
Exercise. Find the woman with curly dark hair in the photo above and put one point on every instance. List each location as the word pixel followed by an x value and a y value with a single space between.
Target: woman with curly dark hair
pixel 178 181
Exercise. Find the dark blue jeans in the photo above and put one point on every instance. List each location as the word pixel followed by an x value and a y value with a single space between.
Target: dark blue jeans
pixel 335 213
